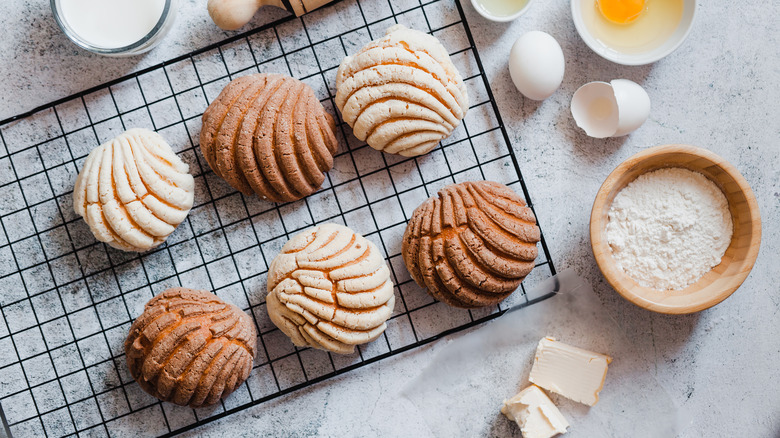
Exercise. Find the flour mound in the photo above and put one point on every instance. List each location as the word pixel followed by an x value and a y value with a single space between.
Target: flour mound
pixel 669 227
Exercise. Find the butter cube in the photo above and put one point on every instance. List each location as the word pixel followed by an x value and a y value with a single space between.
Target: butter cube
pixel 535 414
pixel 572 372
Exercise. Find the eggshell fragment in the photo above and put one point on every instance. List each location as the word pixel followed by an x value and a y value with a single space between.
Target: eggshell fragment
pixel 633 106
pixel 610 109
pixel 595 109
pixel 536 65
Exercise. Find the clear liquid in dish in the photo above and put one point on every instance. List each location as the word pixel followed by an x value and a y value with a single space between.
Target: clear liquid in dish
pixel 647 31
pixel 502 8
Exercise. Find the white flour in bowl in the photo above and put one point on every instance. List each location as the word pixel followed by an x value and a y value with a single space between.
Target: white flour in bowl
pixel 669 227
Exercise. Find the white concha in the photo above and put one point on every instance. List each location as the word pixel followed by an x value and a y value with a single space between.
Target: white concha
pixel 401 94
pixel 330 288
pixel 133 191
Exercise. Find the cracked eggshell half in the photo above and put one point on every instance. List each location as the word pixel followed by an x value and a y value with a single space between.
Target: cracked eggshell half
pixel 611 109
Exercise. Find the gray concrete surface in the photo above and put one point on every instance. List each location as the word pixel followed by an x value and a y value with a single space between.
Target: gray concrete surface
pixel 720 90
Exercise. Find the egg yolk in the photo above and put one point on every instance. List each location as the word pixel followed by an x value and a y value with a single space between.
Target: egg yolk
pixel 621 11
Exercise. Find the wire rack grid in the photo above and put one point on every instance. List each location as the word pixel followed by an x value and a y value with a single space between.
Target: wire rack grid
pixel 67 301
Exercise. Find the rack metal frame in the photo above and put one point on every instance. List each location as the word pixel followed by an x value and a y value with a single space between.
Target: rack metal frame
pixel 62 370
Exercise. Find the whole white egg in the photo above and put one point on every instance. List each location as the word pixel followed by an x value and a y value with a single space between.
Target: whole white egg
pixel 536 65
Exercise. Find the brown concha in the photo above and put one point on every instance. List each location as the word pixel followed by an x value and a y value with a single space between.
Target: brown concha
pixel 268 134
pixel 190 348
pixel 472 245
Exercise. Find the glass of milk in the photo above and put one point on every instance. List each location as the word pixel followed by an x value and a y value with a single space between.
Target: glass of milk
pixel 115 27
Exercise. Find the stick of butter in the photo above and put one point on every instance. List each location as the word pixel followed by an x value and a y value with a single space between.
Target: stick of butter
pixel 535 414
pixel 572 372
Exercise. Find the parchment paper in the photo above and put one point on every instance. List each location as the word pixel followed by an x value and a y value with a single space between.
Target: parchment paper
pixel 462 390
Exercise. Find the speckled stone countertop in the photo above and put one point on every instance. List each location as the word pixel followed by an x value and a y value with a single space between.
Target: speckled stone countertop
pixel 720 90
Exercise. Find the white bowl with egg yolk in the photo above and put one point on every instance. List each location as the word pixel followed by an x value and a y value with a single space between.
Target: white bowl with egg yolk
pixel 589 24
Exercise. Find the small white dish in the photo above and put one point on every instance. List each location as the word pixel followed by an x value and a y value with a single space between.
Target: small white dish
pixel 642 58
pixel 142 45
pixel 481 10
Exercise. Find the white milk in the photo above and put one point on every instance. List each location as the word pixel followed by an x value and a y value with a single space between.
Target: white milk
pixel 112 23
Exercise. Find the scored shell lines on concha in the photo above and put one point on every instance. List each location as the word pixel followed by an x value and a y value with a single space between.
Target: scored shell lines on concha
pixel 134 191
pixel 190 348
pixel 330 288
pixel 268 134
pixel 472 244
pixel 401 94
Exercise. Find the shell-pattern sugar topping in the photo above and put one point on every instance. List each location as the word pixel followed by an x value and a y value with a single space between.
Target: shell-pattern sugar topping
pixel 472 245
pixel 267 134
pixel 401 94
pixel 330 288
pixel 190 348
pixel 134 191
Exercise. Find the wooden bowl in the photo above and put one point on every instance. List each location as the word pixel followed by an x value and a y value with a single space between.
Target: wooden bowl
pixel 716 285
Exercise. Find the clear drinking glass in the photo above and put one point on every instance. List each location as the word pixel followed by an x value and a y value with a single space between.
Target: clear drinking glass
pixel 148 42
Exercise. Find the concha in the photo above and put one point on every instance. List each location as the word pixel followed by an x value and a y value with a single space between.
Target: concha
pixel 472 244
pixel 133 191
pixel 330 288
pixel 401 94
pixel 190 348
pixel 267 134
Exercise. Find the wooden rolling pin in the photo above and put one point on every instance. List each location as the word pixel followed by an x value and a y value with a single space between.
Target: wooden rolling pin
pixel 233 14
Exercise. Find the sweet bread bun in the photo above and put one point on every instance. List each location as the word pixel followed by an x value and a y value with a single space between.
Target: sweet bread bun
pixel 133 191
pixel 190 348
pixel 401 94
pixel 472 244
pixel 268 134
pixel 330 289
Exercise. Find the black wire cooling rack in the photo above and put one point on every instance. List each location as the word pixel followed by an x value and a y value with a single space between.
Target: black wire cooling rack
pixel 67 301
